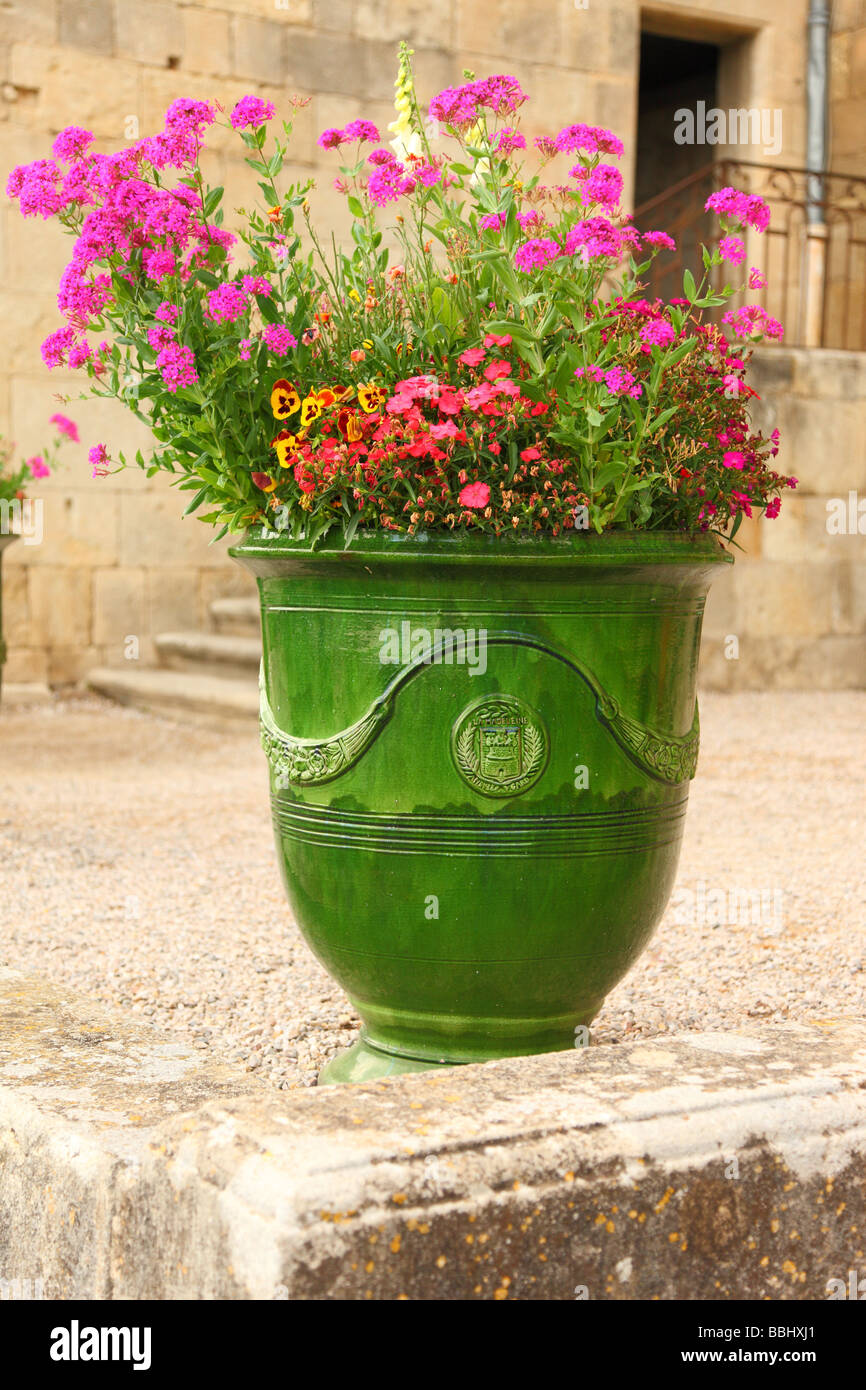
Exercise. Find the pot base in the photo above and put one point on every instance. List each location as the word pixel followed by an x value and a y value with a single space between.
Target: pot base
pixel 361 1062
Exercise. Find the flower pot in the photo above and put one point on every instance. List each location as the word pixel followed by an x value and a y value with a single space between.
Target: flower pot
pixel 5 539
pixel 480 757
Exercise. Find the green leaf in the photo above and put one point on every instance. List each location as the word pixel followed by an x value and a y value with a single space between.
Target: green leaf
pixel 689 286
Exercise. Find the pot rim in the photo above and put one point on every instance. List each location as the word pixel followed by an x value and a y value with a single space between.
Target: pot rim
pixel 576 548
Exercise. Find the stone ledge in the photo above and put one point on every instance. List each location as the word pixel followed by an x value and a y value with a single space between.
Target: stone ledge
pixel 704 1166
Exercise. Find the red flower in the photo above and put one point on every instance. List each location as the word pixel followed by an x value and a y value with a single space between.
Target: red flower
pixel 475 495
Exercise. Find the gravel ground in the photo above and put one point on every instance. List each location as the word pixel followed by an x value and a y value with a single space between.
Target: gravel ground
pixel 138 866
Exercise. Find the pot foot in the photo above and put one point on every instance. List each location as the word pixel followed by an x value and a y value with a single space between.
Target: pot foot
pixel 361 1062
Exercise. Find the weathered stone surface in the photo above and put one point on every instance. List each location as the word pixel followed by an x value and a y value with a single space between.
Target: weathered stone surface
pixel 712 1166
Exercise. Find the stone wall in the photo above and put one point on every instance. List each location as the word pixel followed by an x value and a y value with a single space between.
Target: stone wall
pixel 117 560
pixel 795 602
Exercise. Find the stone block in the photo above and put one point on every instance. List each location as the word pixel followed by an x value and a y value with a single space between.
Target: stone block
pixel 138 1134
pixel 69 665
pixel 258 48
pixel 87 24
pixel 822 443
pixel 155 534
pixel 421 23
pixel 172 600
pixel 337 16
pixel 206 45
pixel 153 33
pixel 786 597
pixel 60 606
pixel 585 38
pixel 76 84
pixel 33 21
pixel 118 605
pixel 16 603
pixel 507 28
pixel 25 665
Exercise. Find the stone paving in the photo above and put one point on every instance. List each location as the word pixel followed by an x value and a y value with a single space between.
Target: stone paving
pixel 138 867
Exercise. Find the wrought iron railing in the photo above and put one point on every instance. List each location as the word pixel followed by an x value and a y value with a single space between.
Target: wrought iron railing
pixel 813 255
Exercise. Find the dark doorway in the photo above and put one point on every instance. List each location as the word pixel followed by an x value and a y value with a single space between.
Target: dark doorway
pixel 675 74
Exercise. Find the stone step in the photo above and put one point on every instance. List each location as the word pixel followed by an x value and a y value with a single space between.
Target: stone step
pixel 209 653
pixel 238 617
pixel 180 694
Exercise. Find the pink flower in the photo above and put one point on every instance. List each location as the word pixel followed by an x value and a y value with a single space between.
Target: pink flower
pixel 226 304
pixel 176 365
pixel 536 253
pixel 621 383
pixel 600 185
pixel 733 459
pixel 251 111
pixel 509 140
pixel 244 349
pixel 756 279
pixel 167 313
pixel 496 369
pixel 38 467
pixel 659 239
pixel 732 249
pixel 71 143
pixel 475 495
pixel 591 138
pixel 360 131
pixel 529 455
pixel 744 208
pixel 330 138
pixel 658 332
pixel 497 340
pixel 66 427
pixel 99 460
pixel 472 357
pixel 279 338
pixel 773 507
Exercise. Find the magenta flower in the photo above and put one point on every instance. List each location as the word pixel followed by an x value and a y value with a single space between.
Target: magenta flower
pixel 733 458
pixel 66 427
pixel 509 140
pixel 167 313
pixel 592 139
pixel 176 365
pixel 226 304
pixel 330 138
pixel 773 508
pixel 71 143
pixel 757 280
pixel 538 252
pixel 99 460
pixel 659 240
pixel 619 382
pixel 279 339
pixel 38 467
pixel 359 132
pixel 251 112
pixel 657 333
pixel 733 249
pixel 745 208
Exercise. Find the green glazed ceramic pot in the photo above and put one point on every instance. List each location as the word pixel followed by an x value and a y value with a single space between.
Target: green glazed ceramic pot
pixel 480 758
